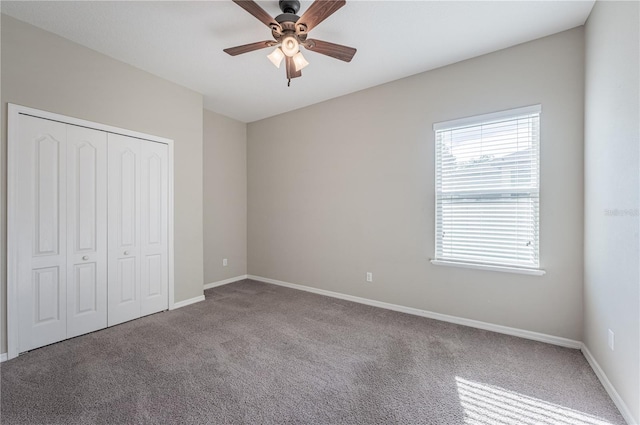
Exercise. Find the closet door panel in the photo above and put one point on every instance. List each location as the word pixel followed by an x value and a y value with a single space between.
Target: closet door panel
pixel 124 238
pixel 87 230
pixel 41 229
pixel 154 197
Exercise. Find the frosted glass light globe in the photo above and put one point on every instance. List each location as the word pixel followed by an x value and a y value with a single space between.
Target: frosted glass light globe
pixel 290 46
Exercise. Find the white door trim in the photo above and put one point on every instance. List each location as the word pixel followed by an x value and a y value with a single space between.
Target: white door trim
pixel 12 288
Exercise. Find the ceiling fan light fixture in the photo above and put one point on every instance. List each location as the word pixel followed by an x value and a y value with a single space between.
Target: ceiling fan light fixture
pixel 290 30
pixel 299 61
pixel 276 57
pixel 290 46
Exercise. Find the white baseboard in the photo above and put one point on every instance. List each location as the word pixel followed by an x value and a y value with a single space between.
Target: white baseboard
pixel 185 303
pixel 224 282
pixel 620 404
pixel 550 339
pixel 3 357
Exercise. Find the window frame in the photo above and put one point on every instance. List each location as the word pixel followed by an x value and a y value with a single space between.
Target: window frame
pixel 478 120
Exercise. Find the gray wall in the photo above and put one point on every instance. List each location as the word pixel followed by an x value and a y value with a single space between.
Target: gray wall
pixel 351 189
pixel 44 71
pixel 225 197
pixel 612 182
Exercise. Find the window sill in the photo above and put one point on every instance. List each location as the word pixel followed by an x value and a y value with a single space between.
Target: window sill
pixel 506 269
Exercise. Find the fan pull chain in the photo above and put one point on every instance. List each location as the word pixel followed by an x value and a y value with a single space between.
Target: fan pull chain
pixel 289 82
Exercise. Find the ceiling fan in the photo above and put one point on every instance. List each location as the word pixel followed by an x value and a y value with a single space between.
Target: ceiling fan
pixel 290 32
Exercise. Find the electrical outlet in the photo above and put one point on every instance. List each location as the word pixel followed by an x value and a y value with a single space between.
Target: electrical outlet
pixel 611 339
pixel 369 277
pixel 224 262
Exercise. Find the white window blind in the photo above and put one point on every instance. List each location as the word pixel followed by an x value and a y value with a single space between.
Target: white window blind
pixel 487 189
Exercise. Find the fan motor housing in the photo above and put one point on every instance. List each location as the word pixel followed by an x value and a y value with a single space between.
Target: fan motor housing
pixel 287 17
pixel 288 20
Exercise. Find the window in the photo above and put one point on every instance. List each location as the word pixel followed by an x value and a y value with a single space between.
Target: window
pixel 487 190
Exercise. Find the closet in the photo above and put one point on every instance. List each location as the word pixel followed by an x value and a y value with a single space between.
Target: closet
pixel 88 236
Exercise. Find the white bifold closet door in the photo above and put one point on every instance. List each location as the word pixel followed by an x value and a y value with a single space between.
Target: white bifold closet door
pixel 62 256
pixel 90 223
pixel 138 201
pixel 154 182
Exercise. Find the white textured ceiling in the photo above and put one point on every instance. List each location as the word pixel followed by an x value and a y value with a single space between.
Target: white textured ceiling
pixel 183 41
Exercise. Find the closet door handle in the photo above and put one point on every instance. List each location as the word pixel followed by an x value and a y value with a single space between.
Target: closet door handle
pixel 126 253
pixel 85 258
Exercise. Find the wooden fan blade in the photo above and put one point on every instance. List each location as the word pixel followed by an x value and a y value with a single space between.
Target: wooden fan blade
pixel 337 51
pixel 319 11
pixel 238 50
pixel 291 69
pixel 253 8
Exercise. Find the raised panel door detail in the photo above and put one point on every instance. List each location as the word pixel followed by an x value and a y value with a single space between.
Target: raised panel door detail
pixel 154 265
pixel 154 190
pixel 47 195
pixel 127 280
pixel 87 236
pixel 128 180
pixel 86 191
pixel 155 198
pixel 86 291
pixel 46 288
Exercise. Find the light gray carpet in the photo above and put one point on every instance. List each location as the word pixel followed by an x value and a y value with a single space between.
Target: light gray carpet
pixel 258 353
